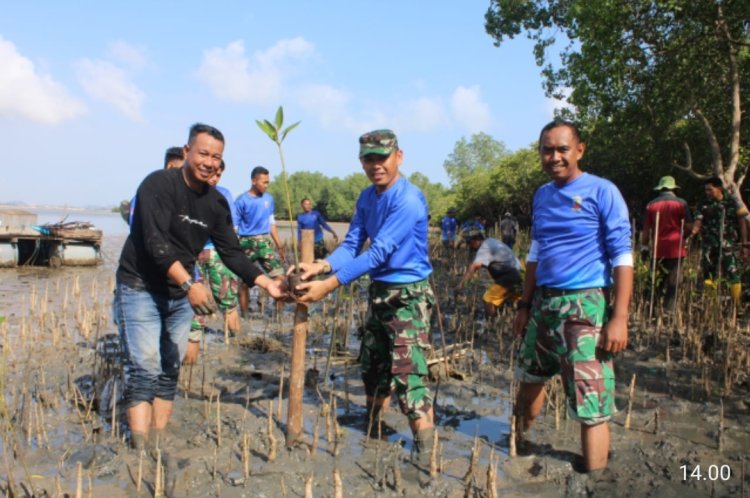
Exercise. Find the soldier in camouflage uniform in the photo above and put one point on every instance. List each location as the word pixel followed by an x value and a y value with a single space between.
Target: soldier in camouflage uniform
pixel 256 227
pixel 392 213
pixel 580 247
pixel 720 239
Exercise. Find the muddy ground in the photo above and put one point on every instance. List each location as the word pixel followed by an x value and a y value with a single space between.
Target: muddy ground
pixel 54 417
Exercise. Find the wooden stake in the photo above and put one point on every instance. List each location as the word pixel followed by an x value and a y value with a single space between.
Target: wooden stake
pixel 271 437
pixel 630 402
pixel 299 339
pixel 281 391
pixel 79 480
pixel 338 491
pixel 309 486
pixel 512 442
pixel 245 456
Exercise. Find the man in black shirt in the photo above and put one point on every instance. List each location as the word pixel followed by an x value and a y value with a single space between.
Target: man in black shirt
pixel 155 296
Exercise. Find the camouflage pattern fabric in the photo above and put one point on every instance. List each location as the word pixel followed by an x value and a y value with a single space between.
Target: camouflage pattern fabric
pixel 395 343
pixel 562 337
pixel 223 283
pixel 717 245
pixel 381 142
pixel 259 248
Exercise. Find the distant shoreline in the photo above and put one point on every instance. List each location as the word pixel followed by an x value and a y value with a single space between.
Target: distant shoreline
pixel 64 209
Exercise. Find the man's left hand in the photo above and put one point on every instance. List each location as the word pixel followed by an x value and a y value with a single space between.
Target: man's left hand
pixel 614 335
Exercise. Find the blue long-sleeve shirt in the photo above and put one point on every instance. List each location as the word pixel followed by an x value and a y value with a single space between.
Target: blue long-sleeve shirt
pixel 255 214
pixel 232 209
pixel 312 221
pixel 395 221
pixel 580 231
pixel 448 226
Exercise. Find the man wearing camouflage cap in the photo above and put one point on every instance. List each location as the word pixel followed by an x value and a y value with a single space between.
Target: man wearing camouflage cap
pixel 392 213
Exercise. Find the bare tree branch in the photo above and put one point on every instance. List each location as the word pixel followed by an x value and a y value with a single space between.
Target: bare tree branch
pixel 734 146
pixel 717 164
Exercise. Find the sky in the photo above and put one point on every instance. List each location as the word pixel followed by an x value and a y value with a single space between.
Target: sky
pixel 92 93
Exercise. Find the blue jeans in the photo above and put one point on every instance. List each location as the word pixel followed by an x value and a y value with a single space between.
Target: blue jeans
pixel 153 331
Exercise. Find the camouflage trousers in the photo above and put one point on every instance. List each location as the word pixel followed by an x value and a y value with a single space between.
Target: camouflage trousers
pixel 259 248
pixel 223 283
pixel 395 343
pixel 730 271
pixel 562 337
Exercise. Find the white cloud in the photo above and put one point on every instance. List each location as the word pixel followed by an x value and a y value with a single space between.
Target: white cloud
pixel 234 76
pixel 26 93
pixel 106 82
pixel 333 108
pixel 469 110
pixel 422 114
pixel 327 103
pixel 131 56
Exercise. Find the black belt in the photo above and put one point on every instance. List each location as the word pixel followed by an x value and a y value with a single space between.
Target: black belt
pixel 554 292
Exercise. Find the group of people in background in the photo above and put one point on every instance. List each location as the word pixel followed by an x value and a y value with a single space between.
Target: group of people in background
pixel 571 297
pixel 669 226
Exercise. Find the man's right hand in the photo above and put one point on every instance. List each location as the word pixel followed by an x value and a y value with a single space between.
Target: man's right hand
pixel 201 299
pixel 309 270
pixel 520 321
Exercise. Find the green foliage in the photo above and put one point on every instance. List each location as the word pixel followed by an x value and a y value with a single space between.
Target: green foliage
pixel 489 180
pixel 645 78
pixel 335 197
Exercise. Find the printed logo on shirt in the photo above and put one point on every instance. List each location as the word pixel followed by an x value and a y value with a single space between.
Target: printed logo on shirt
pixel 577 203
pixel 187 218
pixel 266 204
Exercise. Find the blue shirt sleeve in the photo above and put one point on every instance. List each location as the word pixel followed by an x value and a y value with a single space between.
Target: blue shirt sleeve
pixel 399 224
pixel 614 214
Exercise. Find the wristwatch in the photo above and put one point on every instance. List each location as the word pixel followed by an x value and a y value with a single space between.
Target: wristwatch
pixel 326 265
pixel 187 284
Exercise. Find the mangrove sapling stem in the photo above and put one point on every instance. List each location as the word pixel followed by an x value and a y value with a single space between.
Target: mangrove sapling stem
pixel 338 488
pixel 720 432
pixel 630 402
pixel 281 391
pixel 474 459
pixel 309 485
pixel 271 437
pixel 491 483
pixel 218 419
pixel 653 267
pixel 442 332
pixel 245 456
pixel 79 480
pixel 512 441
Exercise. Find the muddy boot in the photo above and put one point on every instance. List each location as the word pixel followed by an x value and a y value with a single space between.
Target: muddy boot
pixel 736 291
pixel 138 441
pixel 423 447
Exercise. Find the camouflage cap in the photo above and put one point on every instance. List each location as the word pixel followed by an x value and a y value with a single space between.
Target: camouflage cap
pixel 382 142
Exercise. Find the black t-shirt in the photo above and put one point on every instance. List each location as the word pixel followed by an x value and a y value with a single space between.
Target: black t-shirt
pixel 172 223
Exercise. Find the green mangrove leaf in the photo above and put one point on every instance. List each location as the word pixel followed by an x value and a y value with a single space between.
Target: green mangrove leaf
pixel 279 118
pixel 288 129
pixel 266 127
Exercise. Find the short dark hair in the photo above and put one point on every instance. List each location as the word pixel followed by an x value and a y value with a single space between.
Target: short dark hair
pixel 715 181
pixel 172 154
pixel 305 199
pixel 556 123
pixel 258 170
pixel 199 128
pixel 222 166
